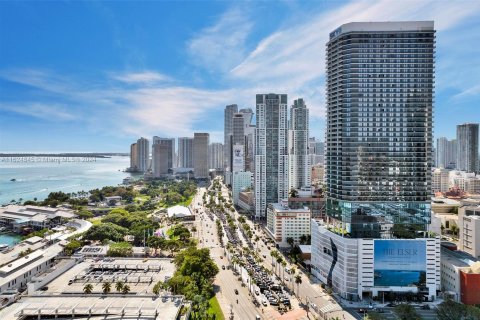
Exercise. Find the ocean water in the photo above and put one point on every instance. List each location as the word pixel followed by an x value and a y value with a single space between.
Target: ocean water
pixel 396 277
pixel 37 178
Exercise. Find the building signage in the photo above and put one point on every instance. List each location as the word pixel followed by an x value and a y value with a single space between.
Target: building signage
pixel 400 263
pixel 238 158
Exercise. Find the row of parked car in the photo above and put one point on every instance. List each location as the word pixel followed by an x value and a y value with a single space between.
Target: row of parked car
pixel 272 291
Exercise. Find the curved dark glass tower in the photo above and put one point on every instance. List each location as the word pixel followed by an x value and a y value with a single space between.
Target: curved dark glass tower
pixel 380 86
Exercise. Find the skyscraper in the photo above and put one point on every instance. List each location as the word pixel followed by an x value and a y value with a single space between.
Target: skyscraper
pixel 133 157
pixel 467 147
pixel 200 154
pixel 143 154
pixel 446 153
pixel 299 162
pixel 380 80
pixel 185 152
pixel 271 154
pixel 170 142
pixel 230 110
pixel 160 159
pixel 215 155
pixel 379 125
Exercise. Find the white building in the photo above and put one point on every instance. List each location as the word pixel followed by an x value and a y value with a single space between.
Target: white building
pixel 16 217
pixel 215 156
pixel 185 152
pixel 465 181
pixel 240 181
pixel 143 154
pixel 358 268
pixel 469 230
pixel 440 180
pixel 283 223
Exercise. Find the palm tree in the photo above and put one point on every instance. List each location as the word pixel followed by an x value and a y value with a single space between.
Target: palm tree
pixel 119 286
pixel 157 287
pixel 279 261
pixel 126 289
pixel 298 281
pixel 284 264
pixel 290 241
pixel 107 287
pixel 273 254
pixel 88 288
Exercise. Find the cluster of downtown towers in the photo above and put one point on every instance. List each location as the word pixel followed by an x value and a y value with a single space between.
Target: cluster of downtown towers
pixel 378 157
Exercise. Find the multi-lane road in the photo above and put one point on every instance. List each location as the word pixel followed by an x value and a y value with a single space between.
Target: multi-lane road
pixel 227 282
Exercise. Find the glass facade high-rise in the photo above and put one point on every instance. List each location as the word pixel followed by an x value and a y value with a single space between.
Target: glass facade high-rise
pixel 299 161
pixel 446 153
pixel 230 110
pixel 467 147
pixel 271 154
pixel 380 86
pixel 185 152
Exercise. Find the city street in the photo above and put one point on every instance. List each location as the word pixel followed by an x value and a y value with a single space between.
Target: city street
pixel 226 282
pixel 321 305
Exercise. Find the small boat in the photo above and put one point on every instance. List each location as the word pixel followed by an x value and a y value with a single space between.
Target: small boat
pixel 3 246
pixel 13 179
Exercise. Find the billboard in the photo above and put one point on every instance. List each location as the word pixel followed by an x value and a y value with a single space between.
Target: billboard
pixel 238 158
pixel 400 263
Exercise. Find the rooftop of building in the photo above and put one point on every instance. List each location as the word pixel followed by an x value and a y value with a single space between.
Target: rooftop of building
pixel 178 211
pixel 458 258
pixel 282 207
pixel 34 212
pixel 101 307
pixel 141 274
pixel 383 26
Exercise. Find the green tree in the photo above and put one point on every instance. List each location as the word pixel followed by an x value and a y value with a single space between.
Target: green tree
pixel 126 289
pixel 72 246
pixel 85 214
pixel 290 241
pixel 374 316
pixel 298 281
pixel 106 287
pixel 88 288
pixel 120 249
pixel 451 310
pixel 108 231
pixel 406 312
pixel 119 286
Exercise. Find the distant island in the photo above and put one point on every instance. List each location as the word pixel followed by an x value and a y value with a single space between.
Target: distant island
pixel 79 154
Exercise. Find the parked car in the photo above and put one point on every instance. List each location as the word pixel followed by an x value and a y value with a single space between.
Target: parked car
pixel 223 267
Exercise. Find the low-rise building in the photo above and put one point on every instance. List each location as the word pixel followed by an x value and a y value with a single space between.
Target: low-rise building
pixel 310 198
pixel 17 217
pixel 460 276
pixel 284 222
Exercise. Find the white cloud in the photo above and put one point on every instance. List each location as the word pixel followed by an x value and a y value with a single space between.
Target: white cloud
pixel 221 46
pixel 50 112
pixel 145 77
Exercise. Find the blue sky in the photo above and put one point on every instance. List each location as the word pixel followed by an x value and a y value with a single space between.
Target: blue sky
pixel 94 76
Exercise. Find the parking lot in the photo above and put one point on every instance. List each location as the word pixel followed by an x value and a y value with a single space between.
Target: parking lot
pixel 139 274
